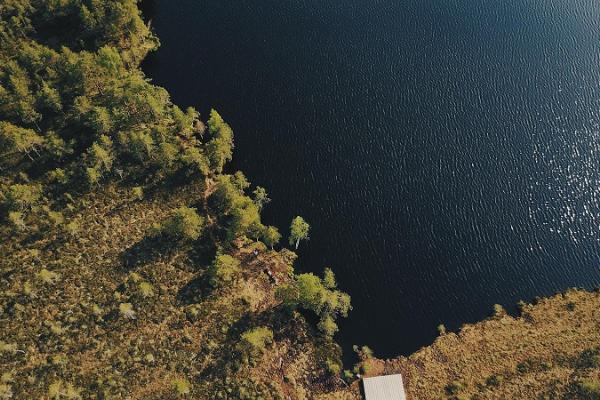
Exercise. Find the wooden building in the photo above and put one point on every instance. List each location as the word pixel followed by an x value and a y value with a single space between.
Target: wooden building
pixel 388 387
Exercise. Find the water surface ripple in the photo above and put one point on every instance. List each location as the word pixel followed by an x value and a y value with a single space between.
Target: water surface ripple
pixel 446 152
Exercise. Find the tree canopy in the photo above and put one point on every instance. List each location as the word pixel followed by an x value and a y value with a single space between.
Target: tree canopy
pixel 298 231
pixel 310 292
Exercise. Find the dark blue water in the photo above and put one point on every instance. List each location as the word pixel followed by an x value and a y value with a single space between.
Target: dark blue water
pixel 445 152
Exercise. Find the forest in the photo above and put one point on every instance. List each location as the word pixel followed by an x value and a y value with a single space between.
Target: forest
pixel 135 264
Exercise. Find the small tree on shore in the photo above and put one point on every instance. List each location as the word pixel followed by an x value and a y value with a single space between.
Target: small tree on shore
pixel 298 231
pixel 271 236
pixel 261 198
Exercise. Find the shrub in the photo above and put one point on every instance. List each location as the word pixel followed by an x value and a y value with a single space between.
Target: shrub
pixel 137 192
pixel 494 380
pixel 58 175
pixel 348 376
pixel 363 352
pixel 310 292
pixel 60 390
pixel 185 223
pixel 270 236
pixel 328 326
pixel 16 220
pixel 334 368
pixel 72 228
pixel 55 218
pixel 499 311
pixel 329 279
pixel 441 328
pixel 126 310
pixel 146 289
pixel 588 358
pixel 19 197
pixel 47 277
pixel 180 386
pixel 8 347
pixel 5 392
pixel 253 342
pixel 454 388
pixel 590 388
pixel 224 270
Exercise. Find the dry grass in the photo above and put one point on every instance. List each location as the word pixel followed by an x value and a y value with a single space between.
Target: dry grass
pixel 69 328
pixel 535 356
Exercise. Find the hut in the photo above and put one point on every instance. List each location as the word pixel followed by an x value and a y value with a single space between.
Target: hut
pixel 388 387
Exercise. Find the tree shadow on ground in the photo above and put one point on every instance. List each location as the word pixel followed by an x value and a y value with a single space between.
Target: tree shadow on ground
pixel 147 250
pixel 201 256
pixel 194 291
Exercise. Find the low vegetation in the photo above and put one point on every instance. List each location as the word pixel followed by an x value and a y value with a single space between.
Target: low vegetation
pixel 551 351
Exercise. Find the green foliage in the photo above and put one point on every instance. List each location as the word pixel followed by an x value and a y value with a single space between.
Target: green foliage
pixel 195 160
pixel 127 311
pixel 224 270
pixel 137 192
pixel 254 342
pixel 60 390
pixel 454 388
pixel 499 311
pixel 146 289
pixel 220 146
pixel 329 279
pixel 22 196
pixel 184 223
pixel 16 220
pixel 180 386
pixel 99 159
pixel 308 291
pixel 76 113
pixel 6 392
pixel 236 212
pixel 441 329
pixel 298 231
pixel 327 325
pixel 348 376
pixel 261 198
pixel 15 139
pixel 239 181
pixel 589 389
pixel 83 96
pixel 8 347
pixel 363 352
pixel 185 122
pixel 47 277
pixel 58 175
pixel 72 228
pixel 494 380
pixel 333 367
pixel 270 236
pixel 55 218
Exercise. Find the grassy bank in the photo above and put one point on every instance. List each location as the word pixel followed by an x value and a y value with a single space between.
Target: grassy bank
pixel 552 351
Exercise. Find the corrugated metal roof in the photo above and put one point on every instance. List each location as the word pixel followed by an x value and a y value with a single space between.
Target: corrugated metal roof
pixel 389 387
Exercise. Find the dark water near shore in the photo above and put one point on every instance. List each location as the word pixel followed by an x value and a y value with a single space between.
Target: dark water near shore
pixel 445 152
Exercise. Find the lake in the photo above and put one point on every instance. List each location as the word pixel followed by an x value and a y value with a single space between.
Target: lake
pixel 445 152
